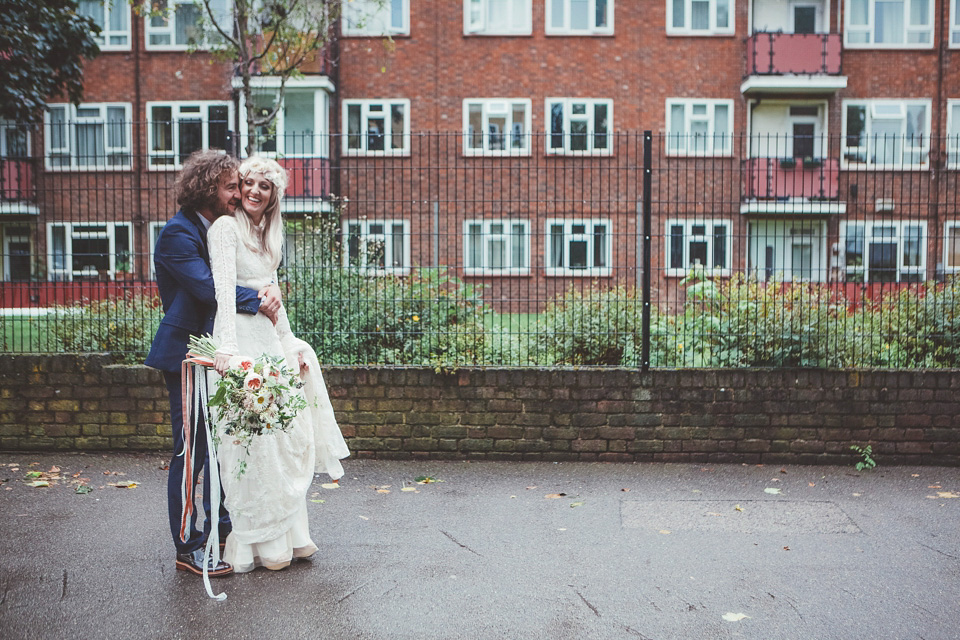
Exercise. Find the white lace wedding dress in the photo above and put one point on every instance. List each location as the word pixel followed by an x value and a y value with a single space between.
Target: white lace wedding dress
pixel 267 503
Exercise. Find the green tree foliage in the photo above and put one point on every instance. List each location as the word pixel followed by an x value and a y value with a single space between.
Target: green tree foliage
pixel 43 45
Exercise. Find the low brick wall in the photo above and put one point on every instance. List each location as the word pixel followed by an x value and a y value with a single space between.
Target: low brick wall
pixel 68 402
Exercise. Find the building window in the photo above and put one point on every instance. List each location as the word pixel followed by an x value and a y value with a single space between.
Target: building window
pixel 886 133
pixel 497 17
pixel 496 127
pixel 499 247
pixel 699 127
pixel 177 129
pixel 17 253
pixel 89 136
pixel 953 134
pixel 895 24
pixel 579 17
pixel 884 251
pixel 700 17
pixel 951 247
pixel 954 24
pixel 89 251
pixel 578 247
pixel 14 141
pixel 579 126
pixel 154 230
pixel 297 130
pixel 184 24
pixel 698 243
pixel 376 18
pixel 787 251
pixel 113 18
pixel 377 246
pixel 376 127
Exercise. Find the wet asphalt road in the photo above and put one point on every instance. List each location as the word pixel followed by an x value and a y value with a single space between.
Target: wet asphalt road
pixel 656 551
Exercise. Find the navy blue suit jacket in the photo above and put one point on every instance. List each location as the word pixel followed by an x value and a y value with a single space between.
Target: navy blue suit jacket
pixel 186 290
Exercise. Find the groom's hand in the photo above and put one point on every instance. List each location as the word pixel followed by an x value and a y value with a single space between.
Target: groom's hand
pixel 270 301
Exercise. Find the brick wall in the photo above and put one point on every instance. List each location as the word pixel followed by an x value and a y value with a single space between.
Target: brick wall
pixel 753 416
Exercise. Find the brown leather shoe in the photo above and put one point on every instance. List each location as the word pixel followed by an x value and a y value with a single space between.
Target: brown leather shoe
pixel 193 562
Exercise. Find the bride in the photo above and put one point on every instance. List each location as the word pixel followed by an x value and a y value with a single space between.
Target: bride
pixel 267 502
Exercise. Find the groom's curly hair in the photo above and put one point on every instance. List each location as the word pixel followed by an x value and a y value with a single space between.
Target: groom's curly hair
pixel 197 184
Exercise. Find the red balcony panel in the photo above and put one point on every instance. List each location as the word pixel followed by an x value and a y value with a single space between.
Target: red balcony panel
pixel 16 180
pixel 24 295
pixel 774 179
pixel 801 53
pixel 309 177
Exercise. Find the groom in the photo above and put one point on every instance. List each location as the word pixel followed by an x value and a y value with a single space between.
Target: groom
pixel 206 189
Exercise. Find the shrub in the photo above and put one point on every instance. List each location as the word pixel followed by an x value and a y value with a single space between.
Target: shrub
pixel 123 326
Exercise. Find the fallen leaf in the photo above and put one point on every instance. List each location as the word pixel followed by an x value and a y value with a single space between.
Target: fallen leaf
pixel 82 489
pixel 786 548
pixel 734 617
pixel 857 495
pixel 15 469
pixel 415 490
pixel 383 490
pixel 164 466
pixel 54 469
pixel 783 470
pixel 533 487
pixel 714 513
pixel 695 491
pixel 664 532
pixel 624 489
pixel 576 504
pixel 317 501
pixel 935 486
pixel 426 480
pixel 914 475
pixel 123 484
pixel 38 483
pixel 330 485
pixel 773 490
pixel 811 484
pixel 363 517
pixel 34 474
pixel 562 529
pixel 554 496
pixel 947 494
pixel 738 508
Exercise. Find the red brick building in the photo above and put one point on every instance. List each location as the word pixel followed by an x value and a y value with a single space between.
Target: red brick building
pixel 791 139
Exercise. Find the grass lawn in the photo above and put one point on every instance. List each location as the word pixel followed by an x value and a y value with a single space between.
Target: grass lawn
pixel 21 334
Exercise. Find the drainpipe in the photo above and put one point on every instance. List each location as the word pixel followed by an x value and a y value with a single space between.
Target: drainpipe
pixel 143 257
pixel 936 137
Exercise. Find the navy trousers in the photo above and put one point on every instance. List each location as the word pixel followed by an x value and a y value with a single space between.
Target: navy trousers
pixel 195 538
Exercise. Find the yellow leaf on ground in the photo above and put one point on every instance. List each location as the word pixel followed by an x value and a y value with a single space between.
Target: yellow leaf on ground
pixel 383 490
pixel 330 485
pixel 734 617
pixel 664 531
pixel 413 489
pixel 947 494
pixel 554 496
pixel 38 483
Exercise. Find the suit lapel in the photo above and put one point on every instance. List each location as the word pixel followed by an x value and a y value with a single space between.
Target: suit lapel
pixel 194 219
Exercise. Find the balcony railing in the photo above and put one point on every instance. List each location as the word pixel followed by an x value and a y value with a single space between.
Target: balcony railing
pixel 793 53
pixel 309 177
pixel 788 179
pixel 17 180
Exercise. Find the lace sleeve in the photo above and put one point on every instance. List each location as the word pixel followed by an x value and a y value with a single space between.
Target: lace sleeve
pixel 283 322
pixel 222 243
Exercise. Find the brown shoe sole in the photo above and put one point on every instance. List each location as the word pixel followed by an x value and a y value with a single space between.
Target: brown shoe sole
pixel 216 573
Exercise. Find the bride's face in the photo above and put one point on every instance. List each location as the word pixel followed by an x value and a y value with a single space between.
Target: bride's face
pixel 255 193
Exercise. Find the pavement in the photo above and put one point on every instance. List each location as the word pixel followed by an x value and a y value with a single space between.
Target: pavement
pixel 500 551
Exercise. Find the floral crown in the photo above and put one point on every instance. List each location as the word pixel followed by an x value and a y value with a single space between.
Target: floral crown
pixel 270 170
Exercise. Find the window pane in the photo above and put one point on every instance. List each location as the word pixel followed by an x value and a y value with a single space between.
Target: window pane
pixel 601 13
pixel 354 138
pixel 578 254
pixel 191 137
pixel 89 144
pixel 600 126
pixel 858 12
pixel 397 129
pixel 888 20
pixel 953 247
pixel 578 135
pixel 556 245
pixel 118 17
pixel 298 122
pixel 723 14
pixel 218 126
pixel 92 9
pixel 721 127
pixel 396 236
pixel 599 245
pixel 59 249
pixel 698 253
pixel 699 15
pixel 518 246
pixel 556 125
pixel 161 128
pixel 911 246
pixel 496 127
pixel 375 138
pixel 497 253
pixel 519 135
pixel 919 13
pixel 720 246
pixel 116 129
pixel 396 14
pixel 556 17
pixel 475 124
pixel 854 246
pixel 474 245
pixel 579 14
pixel 678 16
pixel 676 246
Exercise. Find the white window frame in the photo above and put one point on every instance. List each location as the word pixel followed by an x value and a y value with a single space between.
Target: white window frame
pixel 709 150
pixel 476 12
pixel 352 8
pixel 785 235
pixel 869 28
pixel 950 225
pixel 588 117
pixel 710 225
pixel 6 125
pixel 850 272
pixel 153 234
pixel 567 30
pixel 72 231
pixel 170 27
pixel 488 237
pixel 178 114
pixel 954 28
pixel 70 123
pixel 872 108
pixel 587 237
pixel 365 115
pixel 953 133
pixel 711 30
pixel 366 237
pixel 10 238
pixel 110 9
pixel 497 107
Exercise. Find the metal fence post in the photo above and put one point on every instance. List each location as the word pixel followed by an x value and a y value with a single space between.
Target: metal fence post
pixel 647 184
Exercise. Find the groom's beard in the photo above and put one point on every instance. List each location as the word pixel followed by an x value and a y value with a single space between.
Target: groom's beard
pixel 225 209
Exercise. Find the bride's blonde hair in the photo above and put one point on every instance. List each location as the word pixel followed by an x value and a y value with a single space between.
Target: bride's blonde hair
pixel 268 237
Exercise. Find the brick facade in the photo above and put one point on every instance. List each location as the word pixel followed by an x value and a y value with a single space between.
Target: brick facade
pixel 614 415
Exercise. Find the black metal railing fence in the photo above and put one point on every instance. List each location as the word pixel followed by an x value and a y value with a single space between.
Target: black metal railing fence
pixel 514 249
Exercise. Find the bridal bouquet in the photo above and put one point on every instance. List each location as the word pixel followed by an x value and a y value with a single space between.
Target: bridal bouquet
pixel 256 396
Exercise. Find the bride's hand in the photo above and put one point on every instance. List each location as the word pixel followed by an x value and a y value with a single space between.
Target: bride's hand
pixel 304 367
pixel 221 362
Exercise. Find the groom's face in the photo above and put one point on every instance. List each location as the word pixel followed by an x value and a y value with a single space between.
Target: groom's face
pixel 228 194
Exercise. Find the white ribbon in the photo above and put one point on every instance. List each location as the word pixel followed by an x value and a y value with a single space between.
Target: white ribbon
pixel 212 550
